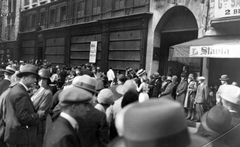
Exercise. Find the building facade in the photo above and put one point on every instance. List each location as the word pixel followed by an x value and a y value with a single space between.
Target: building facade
pixel 129 33
pixel 10 18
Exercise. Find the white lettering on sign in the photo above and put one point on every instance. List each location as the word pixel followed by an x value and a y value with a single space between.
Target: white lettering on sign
pixel 215 51
pixel 226 8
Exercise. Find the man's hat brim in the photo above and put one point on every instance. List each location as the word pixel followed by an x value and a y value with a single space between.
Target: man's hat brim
pixel 21 74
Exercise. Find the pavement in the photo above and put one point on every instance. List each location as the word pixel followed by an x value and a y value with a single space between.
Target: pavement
pixel 193 126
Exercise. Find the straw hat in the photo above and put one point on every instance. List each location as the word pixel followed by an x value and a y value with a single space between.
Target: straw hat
pixel 224 78
pixel 230 93
pixel 10 70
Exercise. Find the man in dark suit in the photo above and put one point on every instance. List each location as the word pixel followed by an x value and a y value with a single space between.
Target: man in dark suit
pixel 5 83
pixel 93 129
pixel 21 118
pixel 157 85
pixel 75 104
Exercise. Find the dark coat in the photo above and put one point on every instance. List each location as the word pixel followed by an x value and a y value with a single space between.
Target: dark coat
pixel 23 110
pixel 93 129
pixel 181 90
pixel 61 134
pixel 4 84
pixel 156 87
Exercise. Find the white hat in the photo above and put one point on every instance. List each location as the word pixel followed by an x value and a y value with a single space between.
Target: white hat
pixel 201 78
pixel 230 93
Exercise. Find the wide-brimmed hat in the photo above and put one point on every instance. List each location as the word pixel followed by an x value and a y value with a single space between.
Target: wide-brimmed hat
pixel 44 73
pixel 224 78
pixel 217 119
pixel 27 69
pixel 85 82
pixel 10 70
pixel 116 94
pixel 154 123
pixel 141 72
pixel 128 85
pixel 230 93
pixel 105 96
pixel 169 78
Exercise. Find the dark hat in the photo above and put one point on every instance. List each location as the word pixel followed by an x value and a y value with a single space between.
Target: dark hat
pixel 10 70
pixel 27 69
pixel 85 82
pixel 217 119
pixel 224 78
pixel 44 73
pixel 154 123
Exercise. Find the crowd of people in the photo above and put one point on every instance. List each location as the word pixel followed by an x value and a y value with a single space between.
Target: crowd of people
pixel 44 105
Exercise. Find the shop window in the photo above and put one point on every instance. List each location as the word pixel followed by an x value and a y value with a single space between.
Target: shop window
pixel 96 6
pixel 52 16
pixel 42 18
pixel 26 2
pixel 119 4
pixel 129 3
pixel 63 13
pixel 80 8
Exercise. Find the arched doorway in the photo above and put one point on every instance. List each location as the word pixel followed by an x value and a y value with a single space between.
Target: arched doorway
pixel 177 25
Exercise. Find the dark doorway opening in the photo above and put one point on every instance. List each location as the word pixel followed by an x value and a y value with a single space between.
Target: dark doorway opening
pixel 168 39
pixel 40 53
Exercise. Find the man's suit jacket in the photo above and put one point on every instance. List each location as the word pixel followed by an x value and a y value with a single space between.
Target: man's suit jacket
pixel 156 87
pixel 61 134
pixel 93 129
pixel 181 90
pixel 4 84
pixel 202 94
pixel 23 110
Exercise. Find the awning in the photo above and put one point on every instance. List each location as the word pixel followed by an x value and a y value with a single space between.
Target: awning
pixel 226 46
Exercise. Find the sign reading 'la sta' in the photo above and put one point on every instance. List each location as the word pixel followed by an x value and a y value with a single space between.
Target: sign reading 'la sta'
pixel 215 51
pixel 226 8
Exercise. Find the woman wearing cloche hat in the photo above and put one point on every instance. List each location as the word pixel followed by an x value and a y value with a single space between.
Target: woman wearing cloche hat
pixel 42 100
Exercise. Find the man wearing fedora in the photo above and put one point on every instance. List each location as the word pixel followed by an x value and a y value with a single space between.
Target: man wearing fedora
pixel 75 101
pixel 21 117
pixel 201 97
pixel 4 84
pixel 42 100
pixel 162 125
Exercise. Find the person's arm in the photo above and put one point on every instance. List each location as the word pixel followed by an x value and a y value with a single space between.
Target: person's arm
pixel 140 87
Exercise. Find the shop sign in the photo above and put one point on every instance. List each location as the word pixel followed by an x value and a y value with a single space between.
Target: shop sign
pixel 226 8
pixel 93 52
pixel 226 51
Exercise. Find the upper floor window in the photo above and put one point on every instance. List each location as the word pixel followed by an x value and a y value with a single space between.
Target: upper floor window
pixel 34 1
pixel 63 13
pixel 52 16
pixel 139 2
pixel 42 18
pixel 119 4
pixel 33 22
pixel 80 8
pixel 106 5
pixel 96 6
pixel 26 2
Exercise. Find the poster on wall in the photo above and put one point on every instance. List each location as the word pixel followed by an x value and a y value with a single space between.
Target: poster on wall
pixel 226 8
pixel 220 51
pixel 93 52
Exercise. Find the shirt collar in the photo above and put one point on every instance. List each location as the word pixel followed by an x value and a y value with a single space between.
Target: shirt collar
pixel 70 119
pixel 23 85
pixel 6 78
